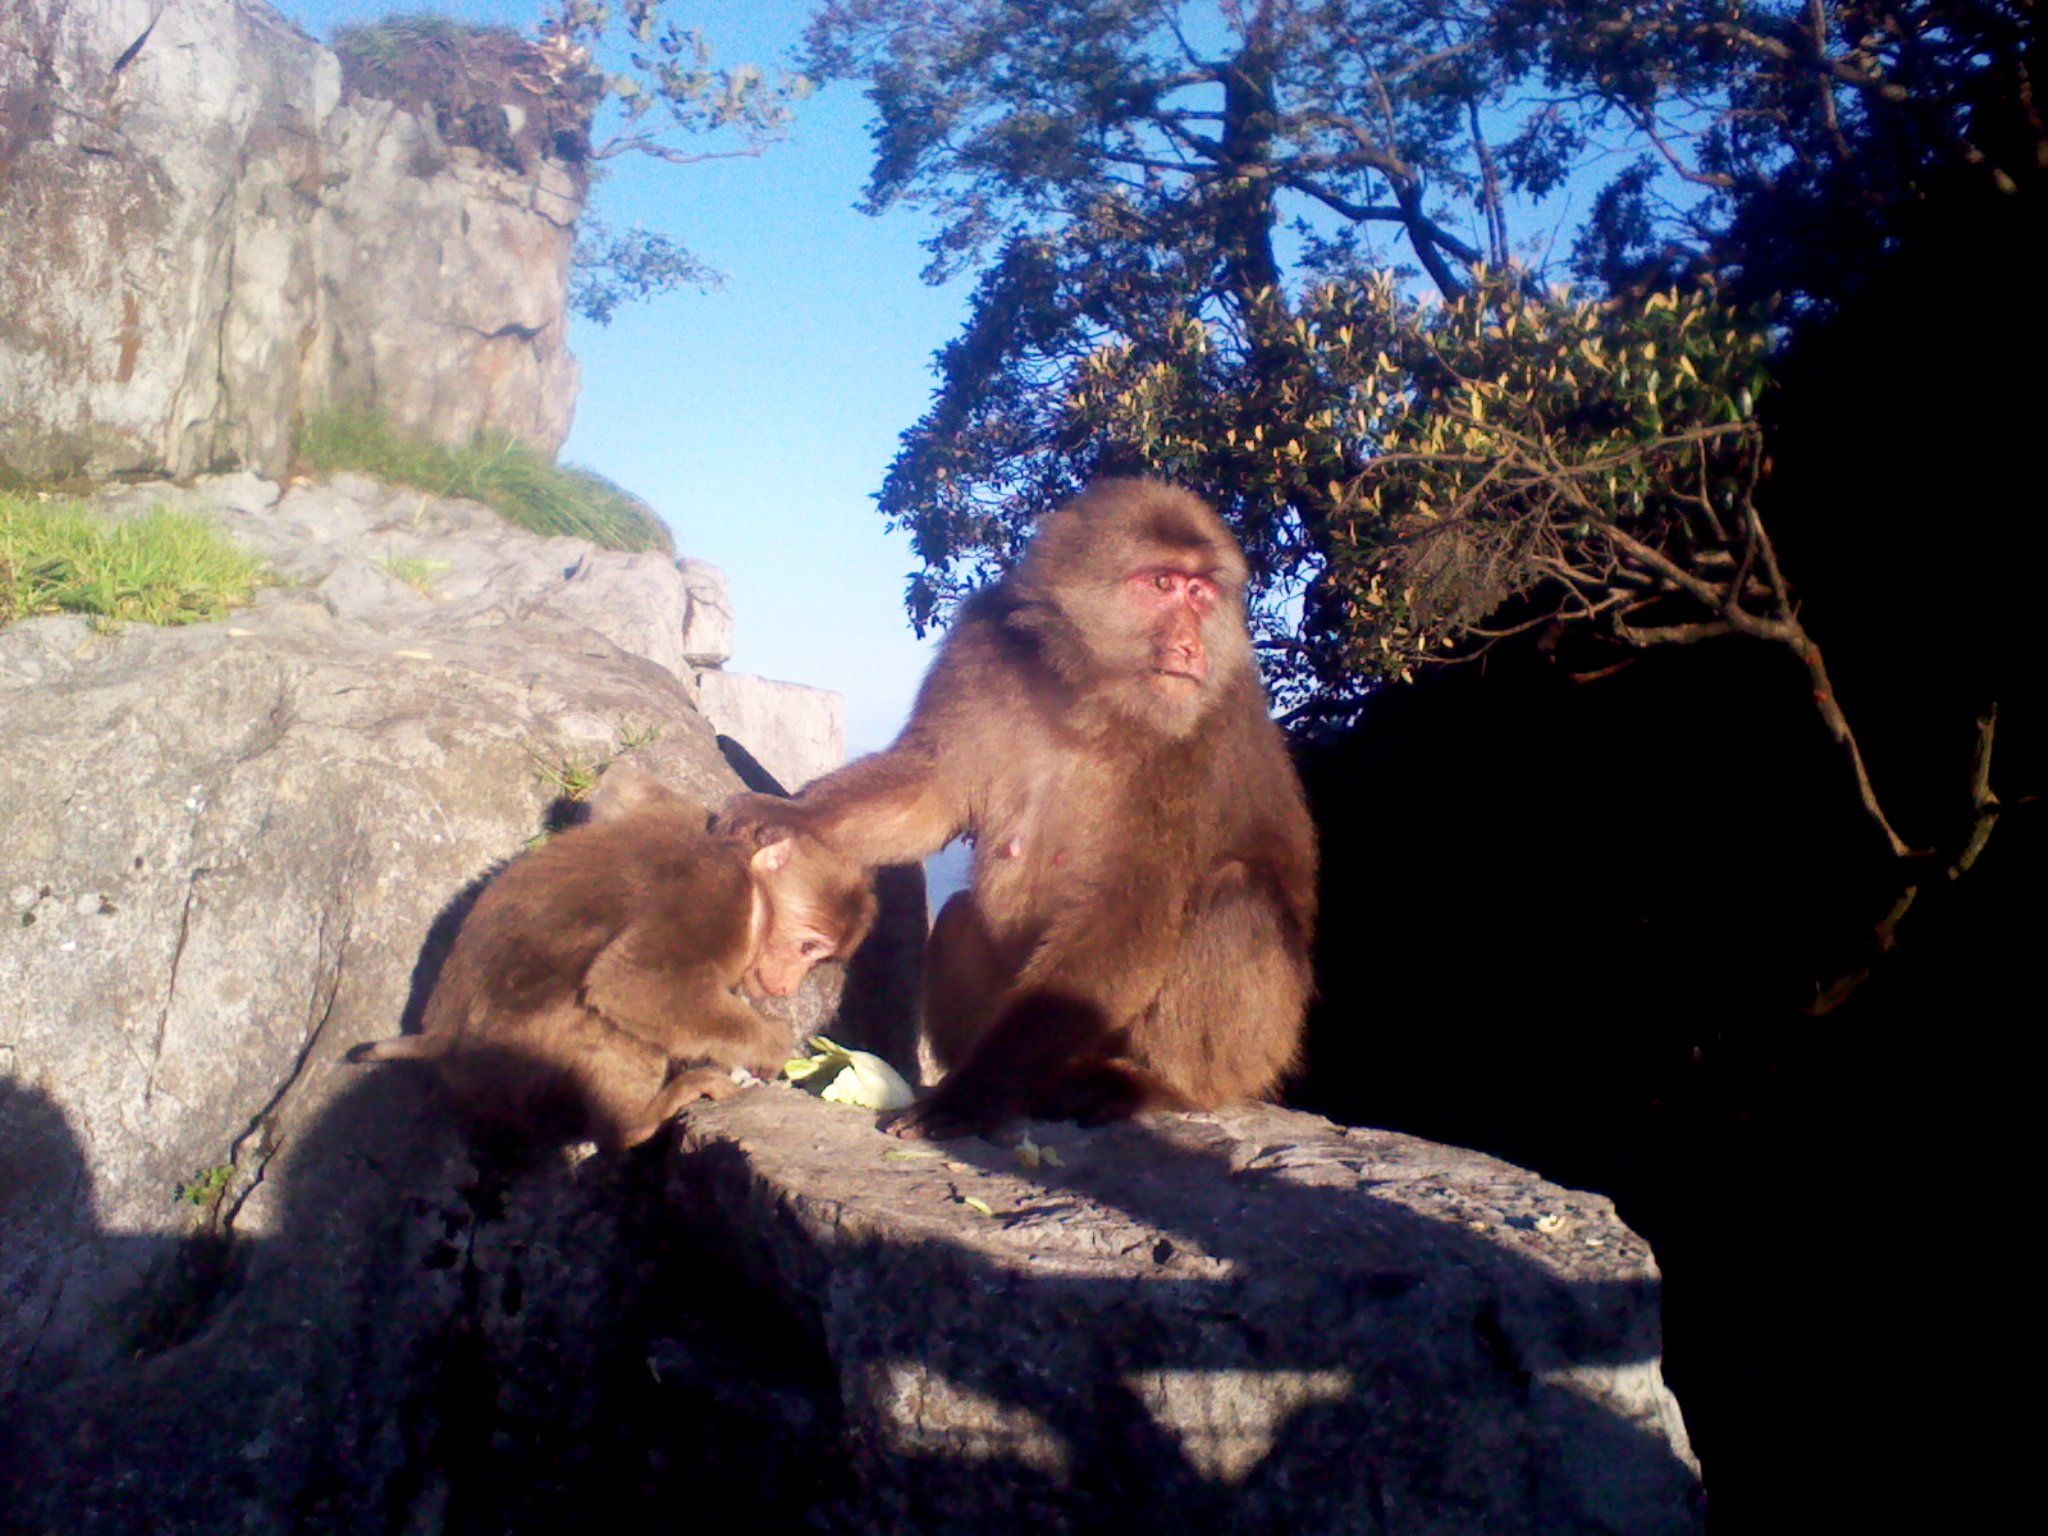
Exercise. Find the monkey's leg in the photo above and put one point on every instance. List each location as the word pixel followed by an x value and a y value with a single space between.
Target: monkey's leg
pixel 619 1080
pixel 1067 1006
pixel 966 980
pixel 963 981
pixel 730 1030
pixel 1226 1025
pixel 1111 1088
pixel 1038 1040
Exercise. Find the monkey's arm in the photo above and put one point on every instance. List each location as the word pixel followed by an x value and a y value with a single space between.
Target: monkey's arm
pixel 1276 842
pixel 917 795
pixel 891 808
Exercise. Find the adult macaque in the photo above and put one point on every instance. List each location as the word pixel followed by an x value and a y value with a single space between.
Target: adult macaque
pixel 590 991
pixel 1137 933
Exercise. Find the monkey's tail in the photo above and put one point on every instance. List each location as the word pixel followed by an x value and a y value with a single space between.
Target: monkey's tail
pixel 401 1048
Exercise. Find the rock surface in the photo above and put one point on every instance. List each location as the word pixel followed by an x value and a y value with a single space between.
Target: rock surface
pixel 207 236
pixel 231 850
pixel 802 730
pixel 1243 1321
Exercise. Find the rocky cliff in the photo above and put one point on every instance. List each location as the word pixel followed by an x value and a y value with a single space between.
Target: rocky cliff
pixel 210 232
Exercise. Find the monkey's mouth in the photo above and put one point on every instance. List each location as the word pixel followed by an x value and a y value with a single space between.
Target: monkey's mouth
pixel 1172 675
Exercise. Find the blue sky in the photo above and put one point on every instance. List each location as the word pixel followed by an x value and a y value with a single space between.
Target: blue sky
pixel 759 419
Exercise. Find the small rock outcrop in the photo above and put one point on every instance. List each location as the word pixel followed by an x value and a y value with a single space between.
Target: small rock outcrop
pixel 804 728
pixel 209 234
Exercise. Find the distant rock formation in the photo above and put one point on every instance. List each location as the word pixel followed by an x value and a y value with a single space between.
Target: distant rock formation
pixel 210 232
pixel 790 732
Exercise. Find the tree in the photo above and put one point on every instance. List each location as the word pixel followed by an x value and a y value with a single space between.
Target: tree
pixel 1807 134
pixel 665 100
pixel 1118 168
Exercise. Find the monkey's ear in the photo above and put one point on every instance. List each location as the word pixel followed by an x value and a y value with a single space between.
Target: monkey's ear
pixel 770 857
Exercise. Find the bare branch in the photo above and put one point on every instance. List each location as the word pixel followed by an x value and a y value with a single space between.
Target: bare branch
pixel 646 144
pixel 1885 935
pixel 1671 634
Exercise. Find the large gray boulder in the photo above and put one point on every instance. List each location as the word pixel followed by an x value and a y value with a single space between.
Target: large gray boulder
pixel 208 236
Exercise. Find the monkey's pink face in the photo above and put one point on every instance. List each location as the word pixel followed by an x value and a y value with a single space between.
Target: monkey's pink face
pixel 1172 607
pixel 785 960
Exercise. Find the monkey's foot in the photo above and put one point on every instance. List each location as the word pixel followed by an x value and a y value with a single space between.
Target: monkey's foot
pixel 933 1119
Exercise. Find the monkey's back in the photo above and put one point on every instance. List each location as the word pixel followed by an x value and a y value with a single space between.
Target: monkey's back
pixel 523 952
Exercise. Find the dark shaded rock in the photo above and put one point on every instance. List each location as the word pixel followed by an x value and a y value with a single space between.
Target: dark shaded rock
pixel 1243 1321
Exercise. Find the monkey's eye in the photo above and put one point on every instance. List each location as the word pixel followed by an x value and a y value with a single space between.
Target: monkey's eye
pixel 814 949
pixel 1161 582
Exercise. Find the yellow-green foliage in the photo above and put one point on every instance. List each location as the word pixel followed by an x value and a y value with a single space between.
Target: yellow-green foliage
pixel 56 556
pixel 1503 448
pixel 503 473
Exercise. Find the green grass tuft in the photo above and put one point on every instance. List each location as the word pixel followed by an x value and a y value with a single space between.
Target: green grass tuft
pixel 57 556
pixel 395 39
pixel 416 572
pixel 503 473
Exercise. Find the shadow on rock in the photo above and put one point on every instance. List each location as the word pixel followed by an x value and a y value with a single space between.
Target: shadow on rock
pixel 1238 1338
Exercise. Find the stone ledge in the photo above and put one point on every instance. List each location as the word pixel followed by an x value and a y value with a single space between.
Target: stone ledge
pixel 1249 1320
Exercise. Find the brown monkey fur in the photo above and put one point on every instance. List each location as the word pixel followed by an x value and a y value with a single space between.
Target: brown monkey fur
pixel 1143 896
pixel 589 992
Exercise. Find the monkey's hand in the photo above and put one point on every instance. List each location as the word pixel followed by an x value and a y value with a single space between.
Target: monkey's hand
pixel 757 819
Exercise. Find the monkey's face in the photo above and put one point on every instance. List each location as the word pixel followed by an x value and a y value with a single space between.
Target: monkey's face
pixel 811 906
pixel 785 959
pixel 1149 588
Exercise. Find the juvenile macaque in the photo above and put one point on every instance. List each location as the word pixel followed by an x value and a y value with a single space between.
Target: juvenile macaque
pixel 1144 889
pixel 589 993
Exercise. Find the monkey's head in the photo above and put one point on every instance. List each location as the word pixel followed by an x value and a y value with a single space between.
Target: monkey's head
pixel 629 791
pixel 810 904
pixel 1135 592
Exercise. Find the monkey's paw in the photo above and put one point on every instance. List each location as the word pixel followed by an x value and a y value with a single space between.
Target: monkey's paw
pixel 758 818
pixel 933 1119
